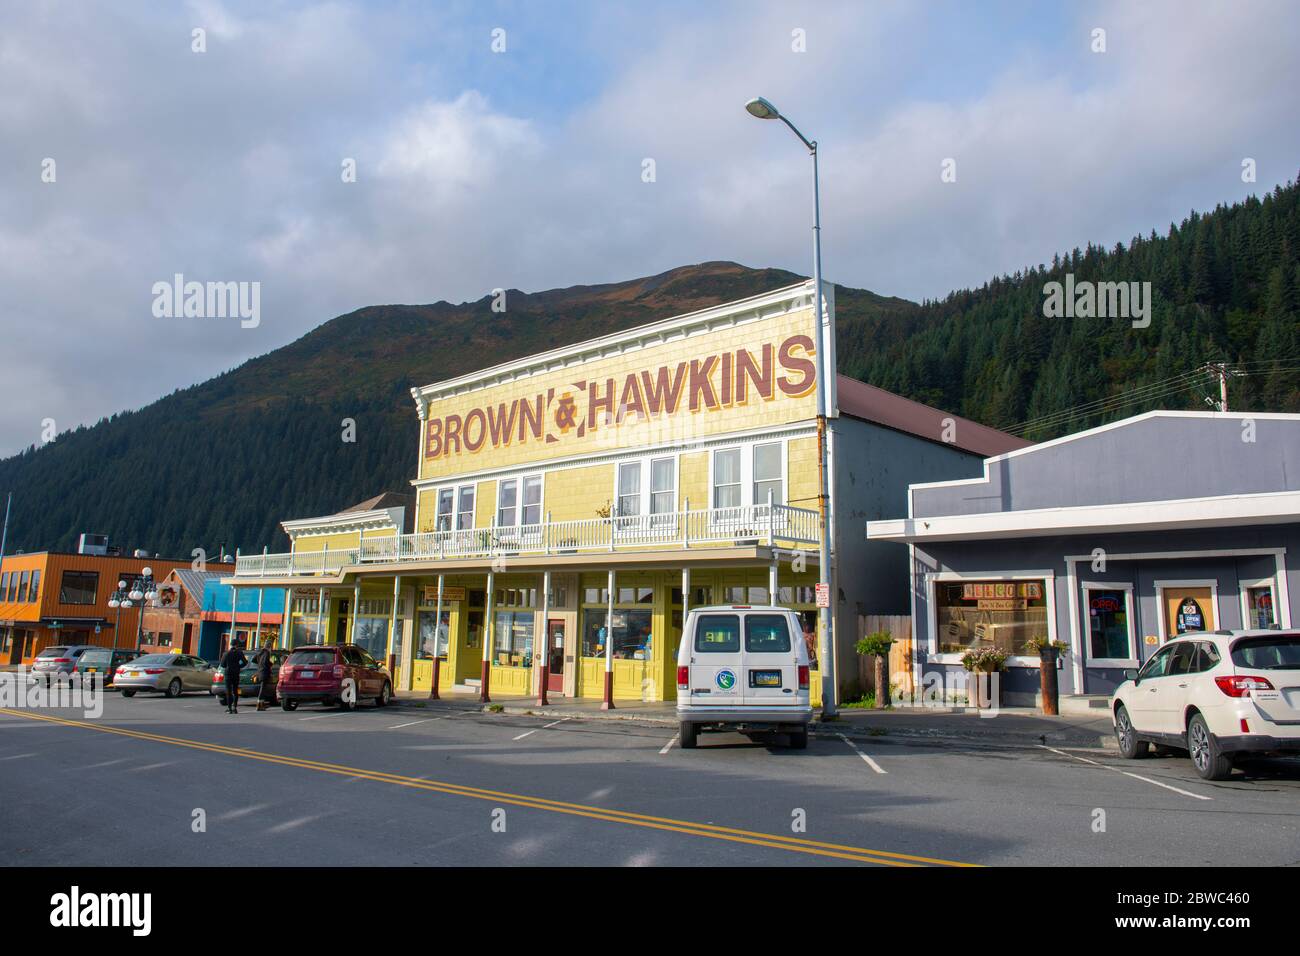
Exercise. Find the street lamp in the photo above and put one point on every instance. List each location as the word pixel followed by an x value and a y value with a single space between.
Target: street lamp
pixel 762 109
pixel 141 591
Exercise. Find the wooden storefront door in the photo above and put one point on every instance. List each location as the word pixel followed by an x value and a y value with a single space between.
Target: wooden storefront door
pixel 555 641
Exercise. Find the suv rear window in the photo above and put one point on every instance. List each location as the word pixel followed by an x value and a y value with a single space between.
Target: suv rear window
pixel 767 633
pixel 53 652
pixel 717 634
pixel 1268 653
pixel 299 658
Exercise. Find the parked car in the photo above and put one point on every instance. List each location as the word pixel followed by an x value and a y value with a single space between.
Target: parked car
pixel 250 682
pixel 1216 695
pixel 170 674
pixel 57 662
pixel 100 664
pixel 743 668
pixel 337 674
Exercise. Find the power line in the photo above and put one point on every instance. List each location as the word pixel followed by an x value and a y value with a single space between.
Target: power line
pixel 1138 393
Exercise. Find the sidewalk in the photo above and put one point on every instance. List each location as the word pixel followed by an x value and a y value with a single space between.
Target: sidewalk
pixel 1012 727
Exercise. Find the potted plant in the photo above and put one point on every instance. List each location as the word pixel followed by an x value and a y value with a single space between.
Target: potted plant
pixel 1049 652
pixel 877 645
pixel 986 692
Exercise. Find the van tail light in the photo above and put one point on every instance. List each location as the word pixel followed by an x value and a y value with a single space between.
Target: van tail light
pixel 1239 685
pixel 803 676
pixel 338 670
pixel 683 677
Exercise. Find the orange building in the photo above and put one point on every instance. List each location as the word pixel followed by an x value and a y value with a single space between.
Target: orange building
pixel 49 597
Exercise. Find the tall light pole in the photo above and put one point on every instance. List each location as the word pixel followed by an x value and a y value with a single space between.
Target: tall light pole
pixel 141 593
pixel 763 109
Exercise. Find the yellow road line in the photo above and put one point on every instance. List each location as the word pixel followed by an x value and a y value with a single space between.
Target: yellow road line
pixel 731 834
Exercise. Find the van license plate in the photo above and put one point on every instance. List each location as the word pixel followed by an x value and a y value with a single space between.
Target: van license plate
pixel 764 678
pixel 307 675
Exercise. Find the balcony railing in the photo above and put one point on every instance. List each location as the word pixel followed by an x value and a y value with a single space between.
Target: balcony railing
pixel 772 525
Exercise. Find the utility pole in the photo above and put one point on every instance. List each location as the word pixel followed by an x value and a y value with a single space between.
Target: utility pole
pixel 1221 371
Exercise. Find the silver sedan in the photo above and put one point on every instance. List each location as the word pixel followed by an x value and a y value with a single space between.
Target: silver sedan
pixel 170 674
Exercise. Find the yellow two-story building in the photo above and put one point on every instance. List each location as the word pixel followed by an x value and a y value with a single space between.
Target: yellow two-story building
pixel 570 507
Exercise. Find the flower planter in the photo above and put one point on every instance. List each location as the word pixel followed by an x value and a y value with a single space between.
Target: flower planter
pixel 984 689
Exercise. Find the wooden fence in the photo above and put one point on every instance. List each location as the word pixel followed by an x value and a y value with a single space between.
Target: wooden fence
pixel 900 654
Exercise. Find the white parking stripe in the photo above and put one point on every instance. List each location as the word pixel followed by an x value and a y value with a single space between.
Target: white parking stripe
pixel 871 763
pixel 525 734
pixel 345 713
pixel 413 723
pixel 1135 776
pixel 670 743
pixel 554 722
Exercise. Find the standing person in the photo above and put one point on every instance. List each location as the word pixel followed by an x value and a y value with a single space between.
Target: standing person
pixel 265 690
pixel 233 662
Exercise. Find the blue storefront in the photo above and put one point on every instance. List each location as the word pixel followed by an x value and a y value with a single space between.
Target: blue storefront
pixel 258 615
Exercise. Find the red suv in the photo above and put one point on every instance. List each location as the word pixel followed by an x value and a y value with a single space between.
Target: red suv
pixel 339 674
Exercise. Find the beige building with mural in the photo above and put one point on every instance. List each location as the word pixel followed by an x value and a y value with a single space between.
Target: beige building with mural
pixel 568 508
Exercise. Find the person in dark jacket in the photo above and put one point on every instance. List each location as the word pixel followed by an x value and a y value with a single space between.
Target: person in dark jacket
pixel 265 691
pixel 233 662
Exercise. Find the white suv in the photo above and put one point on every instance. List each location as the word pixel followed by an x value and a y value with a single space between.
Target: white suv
pixel 743 668
pixel 1215 695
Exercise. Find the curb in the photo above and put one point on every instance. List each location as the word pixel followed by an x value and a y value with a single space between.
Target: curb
pixel 848 729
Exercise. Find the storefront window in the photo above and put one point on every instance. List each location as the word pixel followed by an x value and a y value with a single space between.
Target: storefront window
pixel 633 639
pixel 371 634
pixel 1001 614
pixel 513 636
pixel 1108 624
pixel 432 633
pixel 304 632
pixel 1259 604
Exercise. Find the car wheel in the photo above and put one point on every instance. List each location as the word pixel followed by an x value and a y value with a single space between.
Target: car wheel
pixel 799 739
pixel 1129 746
pixel 385 695
pixel 689 735
pixel 286 704
pixel 175 687
pixel 1210 762
pixel 128 693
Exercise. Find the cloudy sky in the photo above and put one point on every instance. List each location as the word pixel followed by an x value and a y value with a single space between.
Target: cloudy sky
pixel 479 168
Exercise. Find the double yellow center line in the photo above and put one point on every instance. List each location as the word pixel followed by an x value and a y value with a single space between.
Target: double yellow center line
pixel 711 831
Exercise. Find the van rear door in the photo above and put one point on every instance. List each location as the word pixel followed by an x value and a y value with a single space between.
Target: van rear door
pixel 771 664
pixel 715 669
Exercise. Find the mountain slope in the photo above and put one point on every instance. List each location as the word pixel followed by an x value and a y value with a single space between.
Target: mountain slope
pixel 224 461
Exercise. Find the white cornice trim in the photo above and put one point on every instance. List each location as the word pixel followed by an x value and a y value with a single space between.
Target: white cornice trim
pixel 777 302
pixel 345 521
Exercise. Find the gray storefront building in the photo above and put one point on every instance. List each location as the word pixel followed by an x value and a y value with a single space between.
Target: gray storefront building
pixel 1111 541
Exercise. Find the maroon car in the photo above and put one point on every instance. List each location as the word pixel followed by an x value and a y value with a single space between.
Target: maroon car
pixel 337 674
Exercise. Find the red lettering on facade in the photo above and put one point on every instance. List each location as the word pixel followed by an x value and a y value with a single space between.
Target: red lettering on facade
pixel 702 385
pixel 530 419
pixel 433 438
pixel 594 401
pixel 793 363
pixel 660 395
pixel 747 371
pixel 475 416
pixel 501 424
pixel 630 402
pixel 453 433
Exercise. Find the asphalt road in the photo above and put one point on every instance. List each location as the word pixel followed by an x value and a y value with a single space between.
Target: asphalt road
pixel 445 786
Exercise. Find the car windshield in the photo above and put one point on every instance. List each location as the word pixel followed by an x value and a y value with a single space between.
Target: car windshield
pixel 53 652
pixel 1280 652
pixel 153 660
pixel 301 658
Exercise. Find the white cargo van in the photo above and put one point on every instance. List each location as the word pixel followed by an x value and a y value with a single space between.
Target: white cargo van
pixel 743 668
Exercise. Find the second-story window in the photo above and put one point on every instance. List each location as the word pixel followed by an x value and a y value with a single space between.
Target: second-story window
pixel 455 508
pixel 79 587
pixel 35 593
pixel 465 508
pixel 446 501
pixel 727 487
pixel 519 501
pixel 745 475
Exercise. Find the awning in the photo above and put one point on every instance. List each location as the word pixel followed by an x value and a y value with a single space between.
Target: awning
pixel 1172 515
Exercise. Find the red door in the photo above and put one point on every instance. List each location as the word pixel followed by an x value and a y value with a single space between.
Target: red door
pixel 555 656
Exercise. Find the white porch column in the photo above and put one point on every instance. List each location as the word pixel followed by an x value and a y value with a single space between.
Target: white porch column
pixel 320 620
pixel 392 619
pixel 489 635
pixel 542 644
